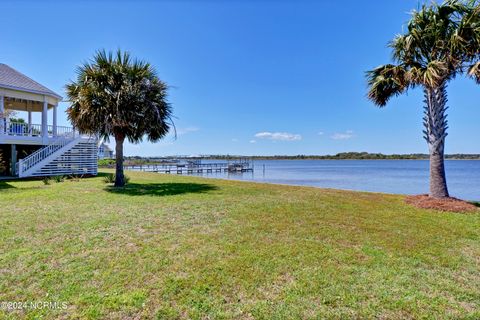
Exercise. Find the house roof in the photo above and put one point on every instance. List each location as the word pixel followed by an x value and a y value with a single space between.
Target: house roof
pixel 106 146
pixel 12 79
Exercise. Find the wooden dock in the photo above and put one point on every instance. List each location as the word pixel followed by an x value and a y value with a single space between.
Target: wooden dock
pixel 193 168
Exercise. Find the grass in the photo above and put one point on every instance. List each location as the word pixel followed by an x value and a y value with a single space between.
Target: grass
pixel 169 247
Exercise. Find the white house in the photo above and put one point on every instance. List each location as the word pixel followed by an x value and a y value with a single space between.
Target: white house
pixel 45 149
pixel 104 151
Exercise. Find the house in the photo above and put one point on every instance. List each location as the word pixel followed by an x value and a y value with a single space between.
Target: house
pixel 104 151
pixel 29 149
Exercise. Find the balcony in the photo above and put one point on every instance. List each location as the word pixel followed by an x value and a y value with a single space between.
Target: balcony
pixel 28 133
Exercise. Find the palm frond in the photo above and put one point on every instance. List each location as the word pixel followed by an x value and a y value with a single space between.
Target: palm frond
pixel 440 41
pixel 385 82
pixel 114 93
pixel 474 72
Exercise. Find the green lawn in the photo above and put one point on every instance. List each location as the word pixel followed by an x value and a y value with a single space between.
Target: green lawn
pixel 171 247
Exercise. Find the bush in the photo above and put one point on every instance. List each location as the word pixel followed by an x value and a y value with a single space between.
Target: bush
pixel 110 178
pixel 58 179
pixel 74 177
pixel 46 180
pixel 106 162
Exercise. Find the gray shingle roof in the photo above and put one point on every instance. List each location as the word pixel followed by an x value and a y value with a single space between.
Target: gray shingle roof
pixel 12 79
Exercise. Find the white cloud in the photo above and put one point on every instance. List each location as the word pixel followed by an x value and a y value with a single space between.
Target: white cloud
pixel 253 141
pixel 343 135
pixel 182 131
pixel 278 136
pixel 321 133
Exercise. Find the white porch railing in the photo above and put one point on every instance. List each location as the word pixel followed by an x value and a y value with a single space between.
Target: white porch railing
pixel 32 130
pixel 61 130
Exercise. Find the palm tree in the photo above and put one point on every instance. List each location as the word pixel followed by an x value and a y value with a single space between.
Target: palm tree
pixel 115 95
pixel 439 43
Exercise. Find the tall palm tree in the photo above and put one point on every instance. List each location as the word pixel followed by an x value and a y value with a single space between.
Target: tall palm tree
pixel 115 95
pixel 439 43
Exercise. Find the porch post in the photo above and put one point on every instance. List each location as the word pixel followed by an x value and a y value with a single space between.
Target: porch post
pixel 55 107
pixel 44 121
pixel 13 159
pixel 29 123
pixel 2 115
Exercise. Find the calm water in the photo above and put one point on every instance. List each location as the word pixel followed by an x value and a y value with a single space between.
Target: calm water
pixel 389 176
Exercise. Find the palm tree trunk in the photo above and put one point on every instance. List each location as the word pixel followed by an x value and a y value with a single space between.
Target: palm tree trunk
pixel 435 133
pixel 119 177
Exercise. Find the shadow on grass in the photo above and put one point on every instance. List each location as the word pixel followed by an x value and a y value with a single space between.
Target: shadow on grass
pixel 5 185
pixel 162 189
pixel 103 174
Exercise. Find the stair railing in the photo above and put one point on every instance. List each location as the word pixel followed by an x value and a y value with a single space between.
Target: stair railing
pixel 36 157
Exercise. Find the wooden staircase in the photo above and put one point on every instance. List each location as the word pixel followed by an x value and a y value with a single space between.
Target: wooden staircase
pixel 68 155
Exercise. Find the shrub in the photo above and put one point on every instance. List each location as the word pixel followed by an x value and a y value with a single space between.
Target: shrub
pixel 58 179
pixel 74 177
pixel 106 162
pixel 110 178
pixel 46 180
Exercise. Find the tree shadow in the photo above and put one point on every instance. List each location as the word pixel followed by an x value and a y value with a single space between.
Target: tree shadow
pixel 162 189
pixel 5 185
pixel 103 174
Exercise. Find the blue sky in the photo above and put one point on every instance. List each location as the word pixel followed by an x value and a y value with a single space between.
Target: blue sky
pixel 246 77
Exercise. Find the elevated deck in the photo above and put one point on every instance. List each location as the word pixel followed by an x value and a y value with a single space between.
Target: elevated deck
pixel 31 151
pixel 30 134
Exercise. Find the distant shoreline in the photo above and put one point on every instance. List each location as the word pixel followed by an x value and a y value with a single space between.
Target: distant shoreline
pixel 137 160
pixel 288 159
pixel 348 156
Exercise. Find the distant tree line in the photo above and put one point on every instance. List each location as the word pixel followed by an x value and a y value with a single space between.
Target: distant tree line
pixel 352 156
pixel 137 160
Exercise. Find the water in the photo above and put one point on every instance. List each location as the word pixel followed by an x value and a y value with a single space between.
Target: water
pixel 388 176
